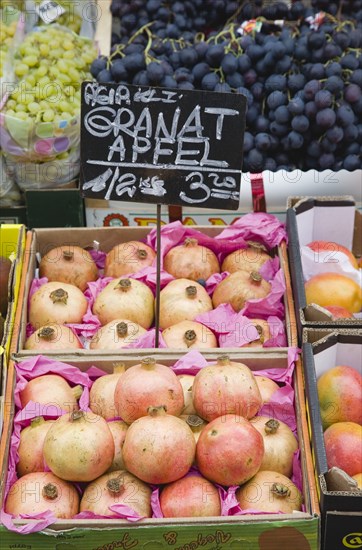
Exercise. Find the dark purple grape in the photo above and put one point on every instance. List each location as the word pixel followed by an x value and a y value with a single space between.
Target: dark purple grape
pixel 235 80
pixel 276 83
pixel 104 76
pixel 326 161
pixel 262 142
pixel 350 61
pixel 246 93
pixel 275 99
pixel 134 62
pixel 356 77
pixel 209 81
pixel 333 69
pixel 261 124
pixel 250 77
pixel 188 57
pixel 352 162
pixel 323 99
pixel 351 132
pixel 316 39
pixel 214 55
pixel 294 140
pixel 200 70
pixel 334 84
pixel 168 82
pixel 314 149
pixel 229 64
pixel 252 114
pixel 279 130
pixel 222 87
pixel 255 161
pixel 155 72
pixel 317 71
pixel 257 89
pixel 98 65
pixel 255 52
pixel 310 110
pixel 300 123
pixel 352 93
pixel 118 71
pixel 296 106
pixel 326 118
pixel 345 115
pixel 248 142
pixel 186 85
pixel 282 114
pixel 335 134
pixel 311 88
pixel 296 82
pixel 270 164
pixel 244 63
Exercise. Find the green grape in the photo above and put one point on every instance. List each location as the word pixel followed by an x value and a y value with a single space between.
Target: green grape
pixel 62 66
pixel 21 69
pixel 20 108
pixel 34 107
pixel 30 60
pixel 48 115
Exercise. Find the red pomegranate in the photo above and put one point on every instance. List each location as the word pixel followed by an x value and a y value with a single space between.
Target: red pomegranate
pixel 144 385
pixel 229 450
pixel 225 388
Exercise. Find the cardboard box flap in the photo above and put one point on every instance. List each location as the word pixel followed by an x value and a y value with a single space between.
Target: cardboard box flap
pixel 338 480
pixel 338 350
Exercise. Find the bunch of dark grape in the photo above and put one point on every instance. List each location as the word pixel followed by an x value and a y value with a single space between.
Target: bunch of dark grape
pixel 303 86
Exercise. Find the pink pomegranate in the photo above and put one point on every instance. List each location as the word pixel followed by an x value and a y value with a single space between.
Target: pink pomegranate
pixel 267 387
pixel 159 448
pixel 229 450
pixel 30 448
pixel 191 496
pixel 144 385
pixel 118 487
pixel 225 388
pixel 41 491
pixel 101 395
pixel 79 446
pixel 52 390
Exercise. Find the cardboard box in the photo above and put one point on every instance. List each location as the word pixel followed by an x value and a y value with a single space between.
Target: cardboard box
pixel 12 246
pixel 320 218
pixel 341 505
pixel 45 239
pixel 299 530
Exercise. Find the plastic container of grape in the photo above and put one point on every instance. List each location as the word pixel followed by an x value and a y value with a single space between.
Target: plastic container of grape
pixel 340 500
pixel 332 219
pixel 106 238
pixel 299 530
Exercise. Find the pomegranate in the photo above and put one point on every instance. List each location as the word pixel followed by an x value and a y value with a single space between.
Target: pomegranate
pixel 189 334
pixel 79 446
pixel 146 384
pixel 30 448
pixel 191 496
pixel 196 424
pixel 51 389
pixel 125 298
pixel 127 258
pixel 101 395
pixel 263 329
pixel 340 395
pixel 334 289
pixel 270 492
pixel 117 334
pixel 229 450
pixel 181 300
pixel 57 302
pixel 41 491
pixel 118 431
pixel 118 487
pixel 53 337
pixel 239 287
pixel 246 259
pixel 186 381
pixel 159 448
pixel 280 444
pixel 225 388
pixel 69 264
pixel 266 387
pixel 191 261
pixel 343 443
pixel 338 312
pixel 332 248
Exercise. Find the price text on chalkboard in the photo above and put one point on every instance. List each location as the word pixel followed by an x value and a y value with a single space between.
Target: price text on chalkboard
pixel 156 145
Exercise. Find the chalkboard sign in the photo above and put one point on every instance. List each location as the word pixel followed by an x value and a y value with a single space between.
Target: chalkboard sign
pixel 162 146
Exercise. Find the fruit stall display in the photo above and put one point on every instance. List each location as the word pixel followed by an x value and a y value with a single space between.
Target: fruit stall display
pixel 167 463
pixel 226 288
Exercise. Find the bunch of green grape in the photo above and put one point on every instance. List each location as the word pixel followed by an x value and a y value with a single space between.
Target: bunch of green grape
pixel 50 65
pixel 7 32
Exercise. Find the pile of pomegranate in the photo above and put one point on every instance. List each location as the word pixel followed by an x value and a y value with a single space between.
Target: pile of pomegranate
pixel 146 426
pixel 78 304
